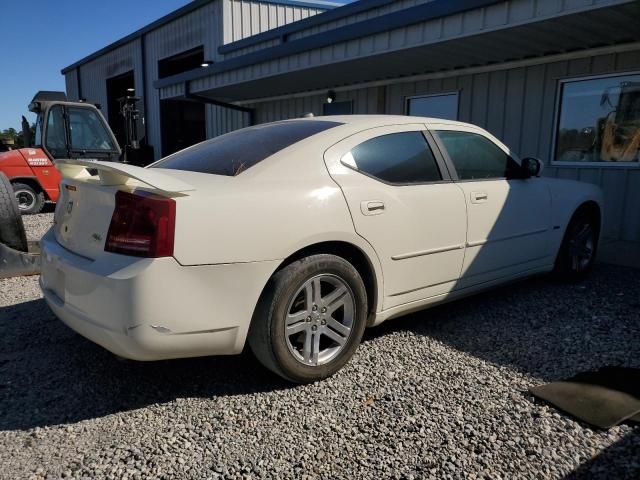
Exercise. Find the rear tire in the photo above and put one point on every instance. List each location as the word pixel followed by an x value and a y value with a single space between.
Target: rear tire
pixel 12 232
pixel 579 246
pixel 30 201
pixel 310 318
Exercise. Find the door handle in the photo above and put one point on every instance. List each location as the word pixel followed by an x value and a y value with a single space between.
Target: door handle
pixel 479 197
pixel 372 207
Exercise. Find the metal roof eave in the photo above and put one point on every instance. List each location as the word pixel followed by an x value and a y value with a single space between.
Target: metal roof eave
pixel 346 10
pixel 402 18
pixel 180 12
pixel 563 34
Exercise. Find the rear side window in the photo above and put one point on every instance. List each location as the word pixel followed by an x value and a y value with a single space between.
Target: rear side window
pixel 475 157
pixel 235 152
pixel 398 158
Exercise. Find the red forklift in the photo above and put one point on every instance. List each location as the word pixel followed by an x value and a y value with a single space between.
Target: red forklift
pixel 66 130
pixel 29 177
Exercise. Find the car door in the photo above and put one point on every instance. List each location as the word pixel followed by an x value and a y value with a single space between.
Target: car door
pixel 403 202
pixel 509 217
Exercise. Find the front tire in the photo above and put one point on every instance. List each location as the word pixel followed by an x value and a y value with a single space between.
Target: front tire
pixel 578 250
pixel 29 200
pixel 310 318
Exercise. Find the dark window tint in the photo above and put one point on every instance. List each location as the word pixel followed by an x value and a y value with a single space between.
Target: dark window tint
pixel 475 156
pixel 235 152
pixel 397 158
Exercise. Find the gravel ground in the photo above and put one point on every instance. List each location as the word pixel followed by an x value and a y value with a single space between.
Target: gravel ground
pixel 37 225
pixel 438 394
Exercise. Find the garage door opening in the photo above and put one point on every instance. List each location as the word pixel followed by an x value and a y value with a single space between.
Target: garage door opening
pixel 118 87
pixel 182 122
pixel 183 125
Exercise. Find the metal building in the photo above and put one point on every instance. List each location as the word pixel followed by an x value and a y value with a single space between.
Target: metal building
pixel 555 79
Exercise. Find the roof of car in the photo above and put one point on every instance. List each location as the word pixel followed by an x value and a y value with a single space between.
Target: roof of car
pixel 382 120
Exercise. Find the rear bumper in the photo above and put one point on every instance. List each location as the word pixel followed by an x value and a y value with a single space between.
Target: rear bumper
pixel 152 309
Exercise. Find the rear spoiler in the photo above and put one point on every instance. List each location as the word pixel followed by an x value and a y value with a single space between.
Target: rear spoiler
pixel 113 174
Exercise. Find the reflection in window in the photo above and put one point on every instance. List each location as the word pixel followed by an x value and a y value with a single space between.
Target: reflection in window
pixel 87 131
pixel 599 120
pixel 396 158
pixel 434 106
pixel 476 157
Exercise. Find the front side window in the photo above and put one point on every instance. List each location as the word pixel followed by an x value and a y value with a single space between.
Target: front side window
pixel 235 152
pixel 88 131
pixel 56 136
pixel 599 120
pixel 475 157
pixel 443 106
pixel 398 158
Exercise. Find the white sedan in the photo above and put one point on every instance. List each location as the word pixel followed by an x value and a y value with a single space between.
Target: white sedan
pixel 295 236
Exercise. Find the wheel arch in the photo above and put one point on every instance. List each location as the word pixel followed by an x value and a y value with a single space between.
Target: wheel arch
pixel 593 208
pixel 355 255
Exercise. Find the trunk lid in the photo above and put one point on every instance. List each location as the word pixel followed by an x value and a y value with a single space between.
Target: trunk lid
pixel 87 200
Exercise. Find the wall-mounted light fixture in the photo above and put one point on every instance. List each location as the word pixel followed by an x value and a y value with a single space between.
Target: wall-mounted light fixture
pixel 331 96
pixel 206 63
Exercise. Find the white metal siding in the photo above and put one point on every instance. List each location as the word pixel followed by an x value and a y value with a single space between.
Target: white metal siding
pixel 94 74
pixel 244 18
pixel 200 27
pixel 472 22
pixel 369 14
pixel 203 26
pixel 71 85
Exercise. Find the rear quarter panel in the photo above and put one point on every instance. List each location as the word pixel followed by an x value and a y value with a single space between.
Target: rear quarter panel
pixel 269 212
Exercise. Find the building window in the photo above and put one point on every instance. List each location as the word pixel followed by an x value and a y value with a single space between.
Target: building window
pixel 337 108
pixel 599 120
pixel 443 106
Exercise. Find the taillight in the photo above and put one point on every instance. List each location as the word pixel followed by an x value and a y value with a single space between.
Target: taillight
pixel 142 225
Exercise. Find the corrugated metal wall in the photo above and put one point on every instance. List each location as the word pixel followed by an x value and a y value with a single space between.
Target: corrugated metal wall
pixel 243 18
pixel 71 83
pixel 517 105
pixel 93 75
pixel 479 20
pixel 365 101
pixel 200 27
pixel 203 26
pixel 374 12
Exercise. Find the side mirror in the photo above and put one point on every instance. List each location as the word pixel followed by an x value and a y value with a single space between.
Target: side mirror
pixel 532 167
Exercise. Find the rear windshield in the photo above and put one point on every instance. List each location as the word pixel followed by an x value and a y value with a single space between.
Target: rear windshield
pixel 235 152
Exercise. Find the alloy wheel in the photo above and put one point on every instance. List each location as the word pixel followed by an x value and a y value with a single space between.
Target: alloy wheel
pixel 319 319
pixel 582 247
